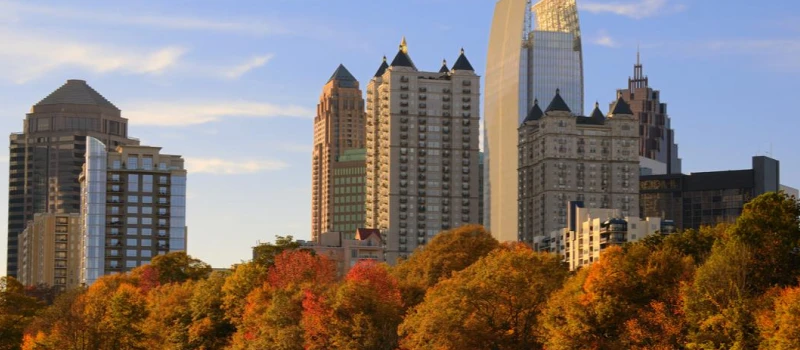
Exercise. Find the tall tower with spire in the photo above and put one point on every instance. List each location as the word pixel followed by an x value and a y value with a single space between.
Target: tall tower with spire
pixel 47 156
pixel 656 136
pixel 337 159
pixel 422 151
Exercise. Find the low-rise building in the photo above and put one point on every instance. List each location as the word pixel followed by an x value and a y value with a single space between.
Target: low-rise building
pixel 49 251
pixel 346 249
pixel 592 230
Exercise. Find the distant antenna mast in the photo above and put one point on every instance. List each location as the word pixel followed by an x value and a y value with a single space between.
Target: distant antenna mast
pixel 528 19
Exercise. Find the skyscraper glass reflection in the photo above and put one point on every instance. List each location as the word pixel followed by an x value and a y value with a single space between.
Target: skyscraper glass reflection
pixel 533 50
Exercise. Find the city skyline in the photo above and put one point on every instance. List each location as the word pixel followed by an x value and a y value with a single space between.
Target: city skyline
pixel 202 76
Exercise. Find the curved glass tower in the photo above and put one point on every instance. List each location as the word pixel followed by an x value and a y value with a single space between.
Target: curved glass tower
pixel 533 50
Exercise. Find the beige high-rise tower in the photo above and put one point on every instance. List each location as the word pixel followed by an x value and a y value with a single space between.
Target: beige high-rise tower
pixel 566 157
pixel 422 151
pixel 338 127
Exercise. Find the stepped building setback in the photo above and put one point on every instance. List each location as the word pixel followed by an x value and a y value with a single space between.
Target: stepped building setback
pixel 45 159
pixel 422 151
pixel 337 180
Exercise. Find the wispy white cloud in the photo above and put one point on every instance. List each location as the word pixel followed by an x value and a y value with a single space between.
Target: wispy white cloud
pixel 780 54
pixel 29 56
pixel 193 113
pixel 14 9
pixel 253 63
pixel 603 39
pixel 634 9
pixel 218 166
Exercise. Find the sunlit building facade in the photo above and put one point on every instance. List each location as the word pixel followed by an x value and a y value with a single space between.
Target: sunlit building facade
pixel 534 49
pixel 133 207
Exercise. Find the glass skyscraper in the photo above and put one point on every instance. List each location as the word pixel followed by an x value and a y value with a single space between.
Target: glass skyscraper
pixel 533 50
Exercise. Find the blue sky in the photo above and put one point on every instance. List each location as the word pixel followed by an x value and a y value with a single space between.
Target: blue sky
pixel 232 86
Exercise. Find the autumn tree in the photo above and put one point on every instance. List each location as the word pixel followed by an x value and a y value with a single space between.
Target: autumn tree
pixel 179 267
pixel 361 313
pixel 245 278
pixel 264 254
pixel 169 316
pixel 62 325
pixel 494 303
pixel 447 252
pixel 718 302
pixel 209 329
pixel 16 312
pixel 273 312
pixel 779 323
pixel 770 230
pixel 622 292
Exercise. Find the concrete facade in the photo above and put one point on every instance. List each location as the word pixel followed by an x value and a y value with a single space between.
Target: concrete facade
pixel 133 208
pixel 338 127
pixel 564 158
pixel 349 176
pixel 45 159
pixel 422 151
pixel 592 230
pixel 49 251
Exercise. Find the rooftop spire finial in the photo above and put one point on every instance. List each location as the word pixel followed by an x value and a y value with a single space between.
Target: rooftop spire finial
pixel 638 62
pixel 404 45
pixel 596 104
pixel 384 58
pixel 444 62
pixel 462 50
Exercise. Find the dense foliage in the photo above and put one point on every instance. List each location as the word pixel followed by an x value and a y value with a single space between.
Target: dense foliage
pixel 733 286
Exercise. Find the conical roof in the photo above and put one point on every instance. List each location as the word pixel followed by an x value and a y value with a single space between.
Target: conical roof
pixel 462 63
pixel 444 68
pixel 535 113
pixel 621 107
pixel 382 68
pixel 342 74
pixel 76 92
pixel 558 104
pixel 402 59
pixel 597 113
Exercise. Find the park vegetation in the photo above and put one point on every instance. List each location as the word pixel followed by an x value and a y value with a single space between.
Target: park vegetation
pixel 732 286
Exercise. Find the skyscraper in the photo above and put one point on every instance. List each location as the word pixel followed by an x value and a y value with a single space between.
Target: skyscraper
pixel 533 50
pixel 422 151
pixel 338 127
pixel 46 157
pixel 564 157
pixel 133 207
pixel 657 139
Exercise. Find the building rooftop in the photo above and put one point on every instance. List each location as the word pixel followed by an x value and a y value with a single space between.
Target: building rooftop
pixel 621 107
pixel 402 59
pixel 343 77
pixel 462 63
pixel 444 68
pixel 535 113
pixel 76 92
pixel 558 104
pixel 382 68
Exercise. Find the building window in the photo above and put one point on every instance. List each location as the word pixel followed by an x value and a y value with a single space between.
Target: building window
pixel 133 210
pixel 132 242
pixel 147 253
pixel 133 220
pixel 130 263
pixel 147 243
pixel 131 252
pixel 147 163
pixel 147 199
pixel 116 164
pixel 132 231
pixel 147 210
pixel 133 162
pixel 147 232
pixel 133 199
pixel 147 221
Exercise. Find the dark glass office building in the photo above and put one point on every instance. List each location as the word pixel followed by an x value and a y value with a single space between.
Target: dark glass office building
pixel 706 198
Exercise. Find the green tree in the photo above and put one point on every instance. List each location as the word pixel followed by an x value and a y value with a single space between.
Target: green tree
pixel 718 304
pixel 447 252
pixel 16 312
pixel 264 254
pixel 494 303
pixel 245 278
pixel 179 267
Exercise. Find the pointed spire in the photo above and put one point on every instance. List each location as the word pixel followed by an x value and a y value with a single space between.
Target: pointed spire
pixel 402 59
pixel 535 113
pixel 342 74
pixel 558 104
pixel 620 107
pixel 444 68
pixel 638 62
pixel 597 113
pixel 462 63
pixel 382 68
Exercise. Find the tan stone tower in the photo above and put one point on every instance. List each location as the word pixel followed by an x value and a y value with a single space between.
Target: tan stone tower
pixel 46 157
pixel 338 127
pixel 564 157
pixel 422 151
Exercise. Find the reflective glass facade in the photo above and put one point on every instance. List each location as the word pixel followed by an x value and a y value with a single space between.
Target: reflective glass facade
pixel 93 209
pixel 554 65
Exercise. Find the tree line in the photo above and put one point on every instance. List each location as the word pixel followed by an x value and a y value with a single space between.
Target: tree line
pixel 731 286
